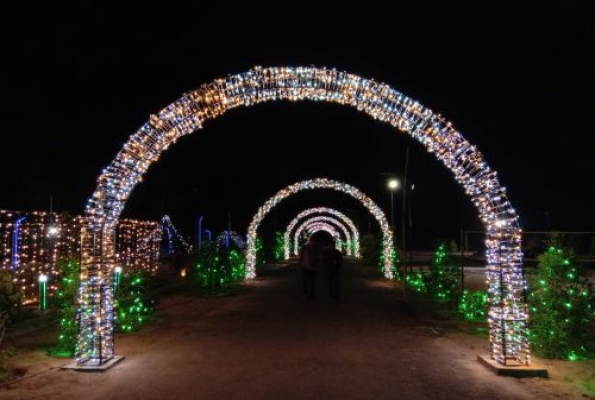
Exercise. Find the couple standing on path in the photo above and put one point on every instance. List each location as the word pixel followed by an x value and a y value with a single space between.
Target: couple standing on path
pixel 314 258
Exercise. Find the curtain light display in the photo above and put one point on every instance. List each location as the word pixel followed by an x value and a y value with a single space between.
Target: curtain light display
pixel 32 243
pixel 323 218
pixel 507 315
pixel 355 244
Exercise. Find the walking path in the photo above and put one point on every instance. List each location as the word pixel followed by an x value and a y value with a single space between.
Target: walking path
pixel 270 343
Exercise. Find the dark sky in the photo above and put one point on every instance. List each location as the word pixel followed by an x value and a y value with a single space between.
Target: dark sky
pixel 516 78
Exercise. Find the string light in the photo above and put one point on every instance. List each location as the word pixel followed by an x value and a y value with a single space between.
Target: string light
pixel 173 237
pixel 321 218
pixel 322 210
pixel 507 315
pixel 226 236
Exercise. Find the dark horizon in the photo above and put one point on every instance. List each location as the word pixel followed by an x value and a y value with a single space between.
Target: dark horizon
pixel 515 79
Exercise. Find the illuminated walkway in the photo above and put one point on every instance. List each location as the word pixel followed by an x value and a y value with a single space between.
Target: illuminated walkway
pixel 271 344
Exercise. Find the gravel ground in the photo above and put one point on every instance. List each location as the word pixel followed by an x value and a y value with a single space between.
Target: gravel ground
pixel 271 343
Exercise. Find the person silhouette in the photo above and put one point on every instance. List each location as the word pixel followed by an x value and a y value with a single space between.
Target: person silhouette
pixel 333 262
pixel 310 262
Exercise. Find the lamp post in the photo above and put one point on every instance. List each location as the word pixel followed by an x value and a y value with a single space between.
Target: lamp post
pixel 393 185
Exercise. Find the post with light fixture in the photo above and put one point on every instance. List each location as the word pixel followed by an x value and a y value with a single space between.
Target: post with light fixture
pixel 117 277
pixel 43 279
pixel 393 184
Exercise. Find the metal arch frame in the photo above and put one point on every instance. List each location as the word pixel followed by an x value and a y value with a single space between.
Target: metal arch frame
pixel 507 316
pixel 321 210
pixel 321 218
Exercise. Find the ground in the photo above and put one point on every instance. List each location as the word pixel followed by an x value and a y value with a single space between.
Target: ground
pixel 270 343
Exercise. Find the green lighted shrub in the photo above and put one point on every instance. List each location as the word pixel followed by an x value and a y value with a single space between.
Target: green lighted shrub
pixel 260 257
pixel 133 306
pixel 64 306
pixel 473 306
pixel 218 269
pixel 10 301
pixel 279 252
pixel 442 277
pixel 562 306
pixel 417 282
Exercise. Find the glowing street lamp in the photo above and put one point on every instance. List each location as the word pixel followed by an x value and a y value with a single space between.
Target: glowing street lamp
pixel 393 185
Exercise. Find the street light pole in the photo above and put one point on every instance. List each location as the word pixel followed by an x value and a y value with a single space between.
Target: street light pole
pixel 392 210
pixel 393 184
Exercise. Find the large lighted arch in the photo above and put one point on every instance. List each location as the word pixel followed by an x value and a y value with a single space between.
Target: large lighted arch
pixel 321 210
pixel 507 310
pixel 314 184
pixel 321 218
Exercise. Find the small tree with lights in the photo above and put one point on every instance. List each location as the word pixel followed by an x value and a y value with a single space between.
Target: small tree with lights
pixel 132 303
pixel 64 305
pixel 279 251
pixel 473 305
pixel 217 269
pixel 260 256
pixel 562 306
pixel 442 277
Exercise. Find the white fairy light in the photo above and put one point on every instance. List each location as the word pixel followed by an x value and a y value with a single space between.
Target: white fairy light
pixel 504 269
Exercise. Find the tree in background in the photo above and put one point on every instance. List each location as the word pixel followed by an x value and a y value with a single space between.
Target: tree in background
pixel 10 301
pixel 562 306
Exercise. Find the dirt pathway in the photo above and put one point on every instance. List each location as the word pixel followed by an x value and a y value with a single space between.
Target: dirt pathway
pixel 272 344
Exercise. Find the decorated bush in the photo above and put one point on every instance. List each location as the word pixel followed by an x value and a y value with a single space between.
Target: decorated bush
pixel 132 303
pixel 562 306
pixel 473 305
pixel 279 250
pixel 217 269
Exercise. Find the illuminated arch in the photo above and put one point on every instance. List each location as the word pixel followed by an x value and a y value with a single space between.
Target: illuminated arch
pixel 328 228
pixel 321 218
pixel 322 210
pixel 507 311
pixel 316 184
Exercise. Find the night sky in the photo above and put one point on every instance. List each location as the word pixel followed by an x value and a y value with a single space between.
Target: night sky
pixel 517 79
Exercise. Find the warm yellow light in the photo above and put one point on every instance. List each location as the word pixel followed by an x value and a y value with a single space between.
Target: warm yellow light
pixel 393 184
